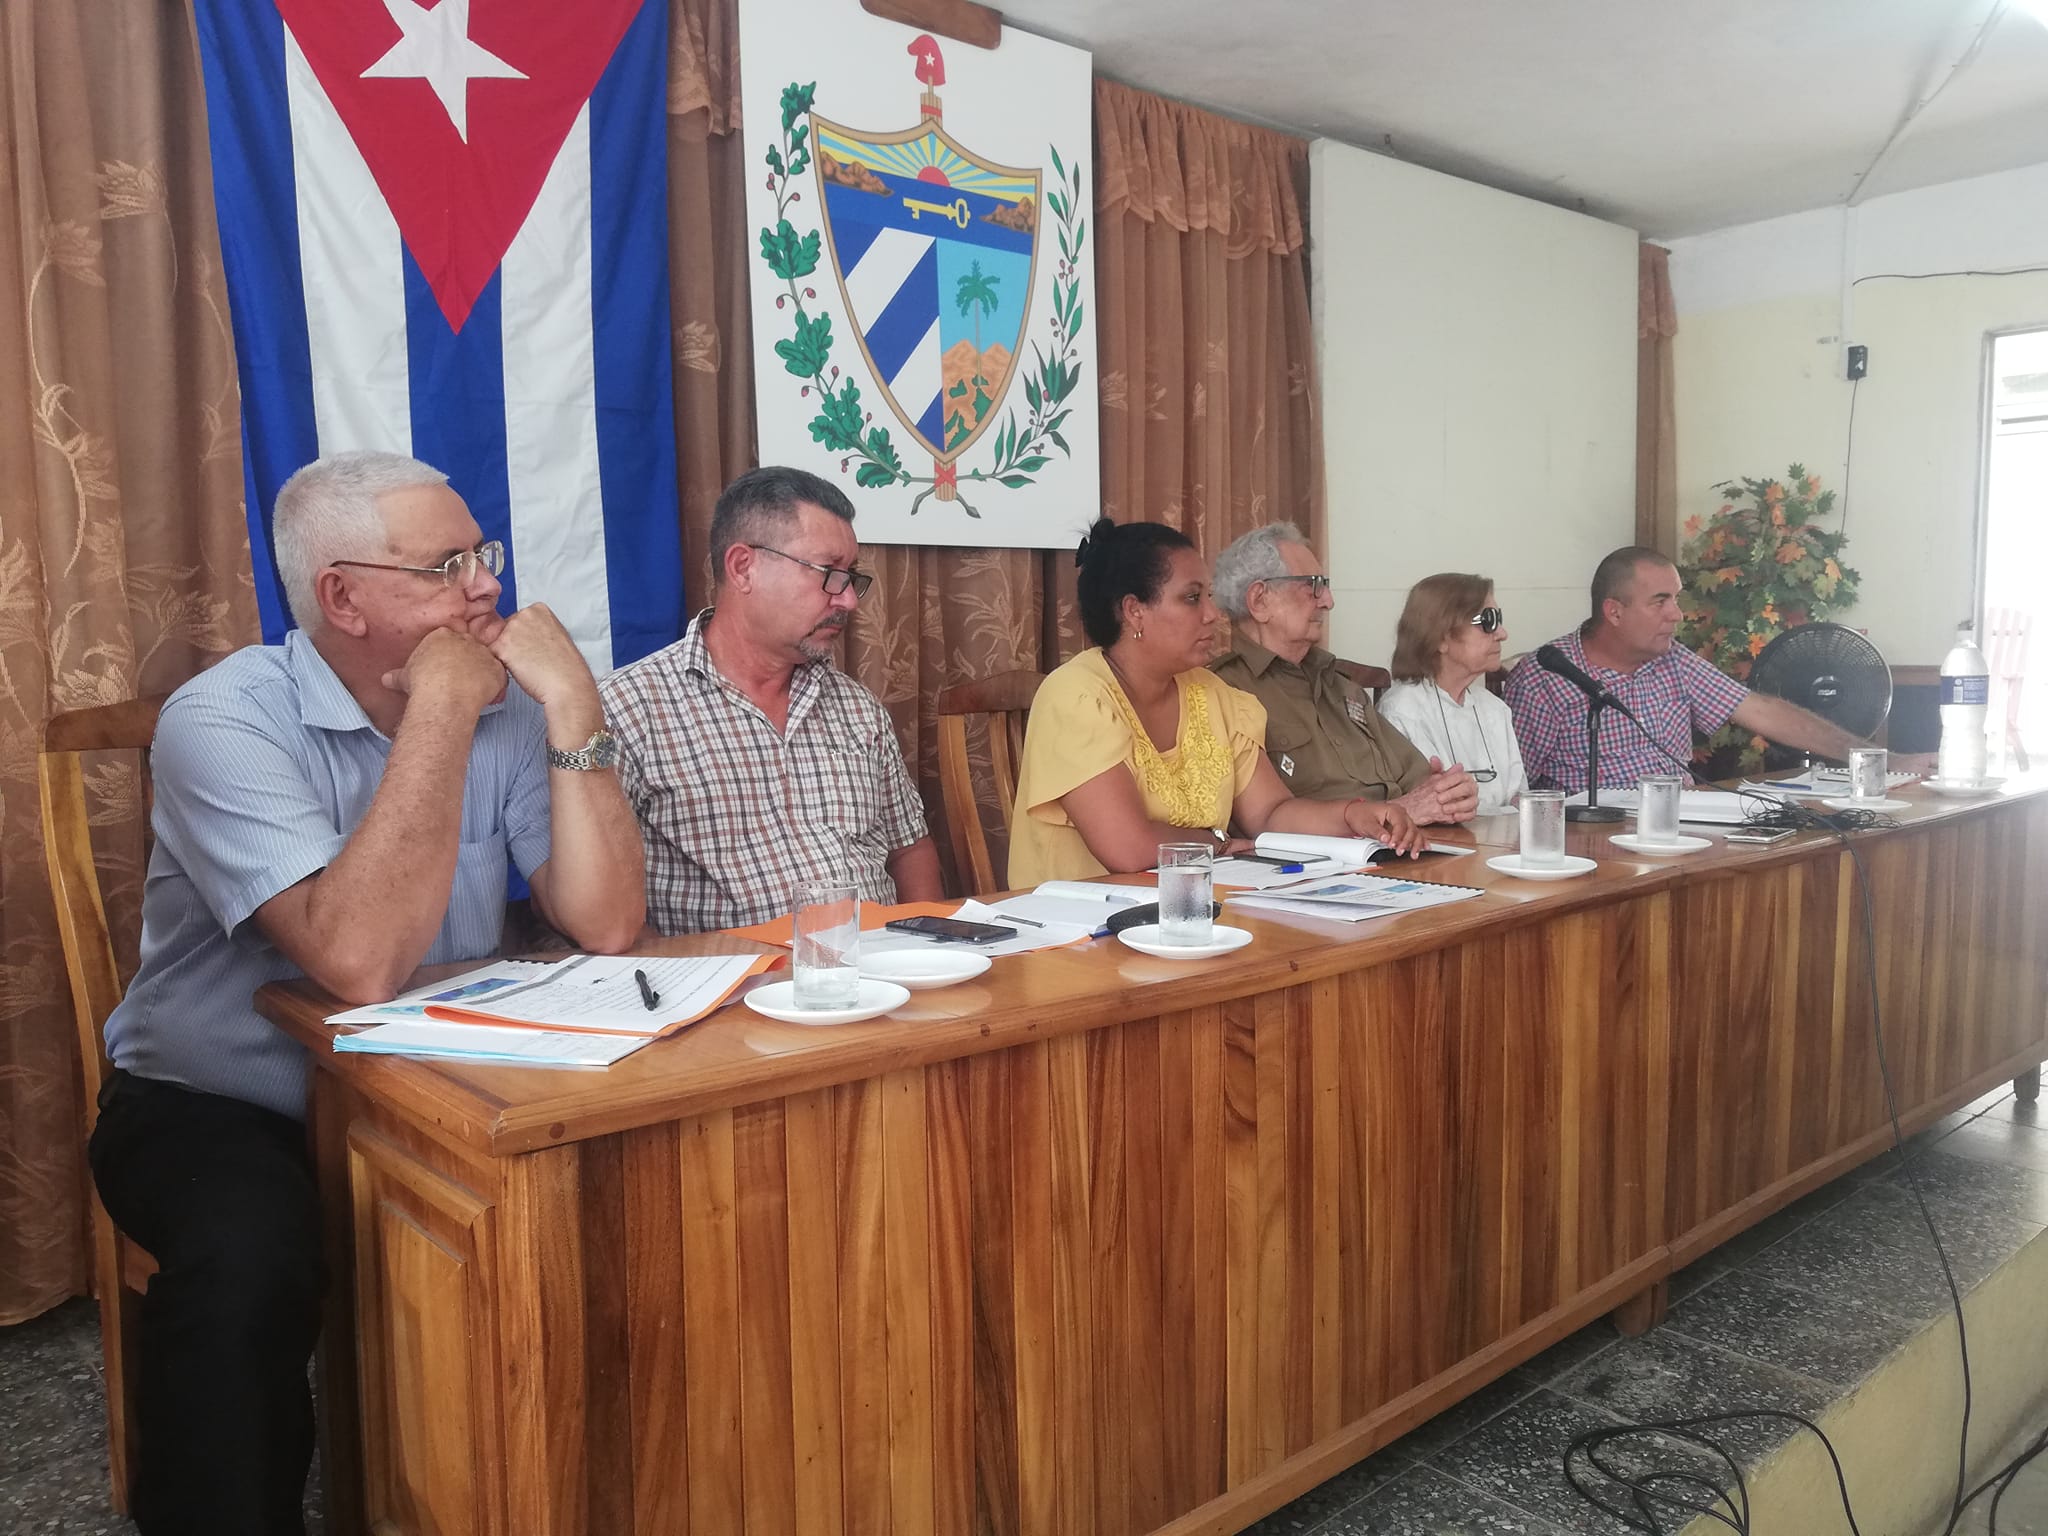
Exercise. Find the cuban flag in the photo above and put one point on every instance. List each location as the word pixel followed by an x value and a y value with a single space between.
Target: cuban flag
pixel 445 228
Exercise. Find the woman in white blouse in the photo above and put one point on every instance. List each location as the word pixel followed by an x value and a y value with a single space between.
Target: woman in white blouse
pixel 1449 638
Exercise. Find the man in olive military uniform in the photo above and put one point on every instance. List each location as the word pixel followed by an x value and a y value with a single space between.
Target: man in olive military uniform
pixel 1322 732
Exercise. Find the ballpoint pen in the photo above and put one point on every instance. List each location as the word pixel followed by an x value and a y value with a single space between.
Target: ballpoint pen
pixel 648 995
pixel 1011 917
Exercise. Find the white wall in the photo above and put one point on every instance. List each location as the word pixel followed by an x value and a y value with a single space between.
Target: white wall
pixel 1765 311
pixel 1478 359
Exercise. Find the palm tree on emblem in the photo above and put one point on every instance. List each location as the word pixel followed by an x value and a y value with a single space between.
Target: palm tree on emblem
pixel 976 293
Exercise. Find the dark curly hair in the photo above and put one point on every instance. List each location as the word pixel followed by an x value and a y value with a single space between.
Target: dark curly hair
pixel 1120 560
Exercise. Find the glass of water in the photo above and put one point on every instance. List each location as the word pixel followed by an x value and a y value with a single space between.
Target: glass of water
pixel 1542 828
pixel 1657 813
pixel 1867 767
pixel 1184 893
pixel 825 958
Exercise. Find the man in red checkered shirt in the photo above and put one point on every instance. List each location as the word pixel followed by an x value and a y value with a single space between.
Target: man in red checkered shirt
pixel 1626 647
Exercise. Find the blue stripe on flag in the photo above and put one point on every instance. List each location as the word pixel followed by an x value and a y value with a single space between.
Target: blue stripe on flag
pixel 248 116
pixel 900 327
pixel 854 226
pixel 458 405
pixel 636 446
pixel 933 422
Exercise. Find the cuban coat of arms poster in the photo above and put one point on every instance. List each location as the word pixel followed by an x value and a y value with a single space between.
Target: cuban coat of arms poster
pixel 922 268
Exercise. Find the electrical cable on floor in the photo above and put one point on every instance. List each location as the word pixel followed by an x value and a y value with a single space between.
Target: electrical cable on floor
pixel 1642 1486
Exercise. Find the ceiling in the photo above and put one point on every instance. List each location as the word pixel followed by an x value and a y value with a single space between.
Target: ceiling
pixel 1670 116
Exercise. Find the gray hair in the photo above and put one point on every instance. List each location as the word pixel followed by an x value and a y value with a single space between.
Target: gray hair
pixel 328 511
pixel 1252 558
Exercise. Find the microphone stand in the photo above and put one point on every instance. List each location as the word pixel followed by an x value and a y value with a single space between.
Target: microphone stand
pixel 1593 810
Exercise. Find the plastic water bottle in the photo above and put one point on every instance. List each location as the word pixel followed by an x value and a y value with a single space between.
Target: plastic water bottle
pixel 1965 707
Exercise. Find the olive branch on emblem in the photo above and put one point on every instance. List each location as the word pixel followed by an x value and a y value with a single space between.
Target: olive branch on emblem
pixel 842 425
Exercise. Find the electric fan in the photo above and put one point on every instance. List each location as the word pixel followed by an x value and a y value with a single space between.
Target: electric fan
pixel 1831 670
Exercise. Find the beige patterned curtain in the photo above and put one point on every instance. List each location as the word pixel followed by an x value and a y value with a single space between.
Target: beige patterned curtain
pixel 1206 374
pixel 124 561
pixel 1656 419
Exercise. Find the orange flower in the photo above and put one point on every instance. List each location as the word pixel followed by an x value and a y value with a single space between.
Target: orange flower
pixel 1692 526
pixel 1756 643
pixel 1834 571
pixel 1726 508
pixel 1727 575
pixel 1770 612
pixel 1812 484
pixel 1774 493
pixel 1789 551
pixel 1758 744
pixel 1777 517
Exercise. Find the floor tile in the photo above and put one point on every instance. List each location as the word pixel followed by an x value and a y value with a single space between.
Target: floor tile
pixel 2027 1114
pixel 1665 1375
pixel 66 1496
pixel 1955 1184
pixel 1570 1351
pixel 1518 1459
pixel 1874 1250
pixel 1997 1139
pixel 1461 1418
pixel 1830 1338
pixel 1424 1502
pixel 1314 1509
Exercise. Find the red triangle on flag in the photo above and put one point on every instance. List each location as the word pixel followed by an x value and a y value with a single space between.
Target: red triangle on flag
pixel 515 72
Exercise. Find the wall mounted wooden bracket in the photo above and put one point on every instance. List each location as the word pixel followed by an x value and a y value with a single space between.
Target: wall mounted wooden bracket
pixel 961 20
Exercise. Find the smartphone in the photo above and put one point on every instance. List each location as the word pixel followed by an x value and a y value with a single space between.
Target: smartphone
pixel 1759 835
pixel 952 929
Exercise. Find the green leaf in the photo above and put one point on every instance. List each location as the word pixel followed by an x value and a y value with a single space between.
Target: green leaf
pixel 807 354
pixel 1031 393
pixel 788 255
pixel 775 160
pixel 873 475
pixel 796 102
pixel 883 451
pixel 1058 169
pixel 1014 482
pixel 1061 441
pixel 1033 464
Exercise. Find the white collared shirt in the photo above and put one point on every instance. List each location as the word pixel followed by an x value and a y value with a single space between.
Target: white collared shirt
pixel 1478 733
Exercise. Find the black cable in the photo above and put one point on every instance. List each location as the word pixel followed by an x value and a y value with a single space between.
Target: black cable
pixel 1921 277
pixel 1848 455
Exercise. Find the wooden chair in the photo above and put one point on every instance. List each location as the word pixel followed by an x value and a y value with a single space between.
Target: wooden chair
pixel 1006 700
pixel 120 1270
pixel 1374 680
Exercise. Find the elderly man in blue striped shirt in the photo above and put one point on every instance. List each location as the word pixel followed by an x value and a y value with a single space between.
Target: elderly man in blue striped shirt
pixel 342 807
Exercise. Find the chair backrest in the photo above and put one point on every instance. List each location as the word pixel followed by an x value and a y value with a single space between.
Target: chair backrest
pixel 1374 680
pixel 74 878
pixel 1005 700
pixel 2006 632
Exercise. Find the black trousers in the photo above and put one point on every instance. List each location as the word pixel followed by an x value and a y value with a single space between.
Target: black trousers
pixel 221 1193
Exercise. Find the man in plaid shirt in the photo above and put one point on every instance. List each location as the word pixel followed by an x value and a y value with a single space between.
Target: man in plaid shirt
pixel 754 765
pixel 1626 647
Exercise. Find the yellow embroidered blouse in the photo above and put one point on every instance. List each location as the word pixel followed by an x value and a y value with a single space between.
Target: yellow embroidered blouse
pixel 1081 724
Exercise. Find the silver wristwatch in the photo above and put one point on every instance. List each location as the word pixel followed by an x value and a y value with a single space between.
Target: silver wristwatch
pixel 601 751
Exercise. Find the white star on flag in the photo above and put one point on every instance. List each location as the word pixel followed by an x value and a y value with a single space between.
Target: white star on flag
pixel 436 48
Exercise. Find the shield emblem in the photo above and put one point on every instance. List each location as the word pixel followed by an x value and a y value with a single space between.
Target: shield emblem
pixel 936 254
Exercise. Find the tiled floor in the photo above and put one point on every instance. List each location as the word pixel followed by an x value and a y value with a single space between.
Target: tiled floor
pixel 1790 1314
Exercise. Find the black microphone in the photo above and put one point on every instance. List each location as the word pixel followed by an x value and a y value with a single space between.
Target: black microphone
pixel 1552 660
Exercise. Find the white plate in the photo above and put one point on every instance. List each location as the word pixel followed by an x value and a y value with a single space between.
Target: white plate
pixel 1957 789
pixel 1572 867
pixel 921 968
pixel 1146 941
pixel 1634 843
pixel 1848 803
pixel 778 1001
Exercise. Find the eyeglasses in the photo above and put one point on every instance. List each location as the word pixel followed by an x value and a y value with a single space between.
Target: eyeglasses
pixel 458 570
pixel 1489 620
pixel 1317 584
pixel 837 578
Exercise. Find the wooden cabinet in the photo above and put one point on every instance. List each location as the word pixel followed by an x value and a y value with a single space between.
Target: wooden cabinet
pixel 427 1360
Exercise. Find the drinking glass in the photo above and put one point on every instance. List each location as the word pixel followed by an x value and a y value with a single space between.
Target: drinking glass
pixel 1184 893
pixel 825 958
pixel 1867 772
pixel 1657 811
pixel 1542 828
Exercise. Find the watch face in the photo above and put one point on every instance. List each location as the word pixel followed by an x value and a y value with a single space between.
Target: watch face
pixel 603 748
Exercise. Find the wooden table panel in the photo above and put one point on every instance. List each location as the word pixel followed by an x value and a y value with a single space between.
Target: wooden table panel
pixel 1106 1244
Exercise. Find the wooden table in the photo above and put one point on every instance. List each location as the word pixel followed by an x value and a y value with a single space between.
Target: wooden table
pixel 1103 1243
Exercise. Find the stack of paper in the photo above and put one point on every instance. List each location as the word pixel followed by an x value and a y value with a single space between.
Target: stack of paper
pixel 1354 898
pixel 587 1010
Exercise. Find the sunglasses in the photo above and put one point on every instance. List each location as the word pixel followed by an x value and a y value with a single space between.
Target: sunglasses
pixel 1489 620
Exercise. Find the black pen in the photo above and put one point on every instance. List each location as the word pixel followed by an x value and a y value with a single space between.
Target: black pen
pixel 648 995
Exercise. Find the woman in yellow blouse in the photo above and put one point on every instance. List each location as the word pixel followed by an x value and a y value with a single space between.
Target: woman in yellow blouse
pixel 1097 791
